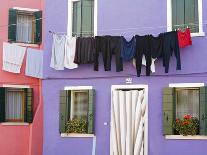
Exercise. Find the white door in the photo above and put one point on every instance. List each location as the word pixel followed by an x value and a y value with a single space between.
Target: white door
pixel 129 120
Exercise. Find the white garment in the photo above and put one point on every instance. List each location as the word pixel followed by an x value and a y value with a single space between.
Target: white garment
pixel 70 46
pixel 34 63
pixel 152 67
pixel 13 56
pixel 127 123
pixel 58 52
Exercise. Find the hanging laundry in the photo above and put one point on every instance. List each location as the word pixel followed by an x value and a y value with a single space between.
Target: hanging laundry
pixel 152 67
pixel 156 45
pixel 13 56
pixel 34 63
pixel 184 38
pixel 58 52
pixel 143 49
pixel 128 48
pixel 85 50
pixel 170 45
pixel 70 47
pixel 108 45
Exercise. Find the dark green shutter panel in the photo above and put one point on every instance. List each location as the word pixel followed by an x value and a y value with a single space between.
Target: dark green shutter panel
pixel 178 14
pixel 91 108
pixel 64 109
pixel 2 104
pixel 76 24
pixel 12 25
pixel 28 107
pixel 191 14
pixel 203 111
pixel 38 27
pixel 168 110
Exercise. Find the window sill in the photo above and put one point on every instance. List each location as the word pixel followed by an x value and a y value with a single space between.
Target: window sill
pixel 181 137
pixel 15 124
pixel 200 34
pixel 64 135
pixel 27 45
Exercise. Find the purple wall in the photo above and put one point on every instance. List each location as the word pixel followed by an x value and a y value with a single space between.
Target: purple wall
pixel 133 15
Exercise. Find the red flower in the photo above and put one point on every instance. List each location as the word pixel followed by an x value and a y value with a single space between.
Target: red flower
pixel 184 123
pixel 187 117
pixel 177 120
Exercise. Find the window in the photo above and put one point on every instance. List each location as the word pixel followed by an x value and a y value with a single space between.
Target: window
pixel 81 18
pixel 16 105
pixel 25 26
pixel 77 105
pixel 185 13
pixel 180 101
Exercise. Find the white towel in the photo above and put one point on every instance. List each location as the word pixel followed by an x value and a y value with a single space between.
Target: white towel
pixel 34 63
pixel 13 56
pixel 70 46
pixel 58 52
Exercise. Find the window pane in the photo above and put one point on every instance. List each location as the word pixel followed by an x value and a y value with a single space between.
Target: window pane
pixel 14 109
pixel 24 28
pixel 83 18
pixel 187 102
pixel 79 107
pixel 185 13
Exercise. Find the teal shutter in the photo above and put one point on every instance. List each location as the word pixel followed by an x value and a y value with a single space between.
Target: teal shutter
pixel 203 111
pixel 12 25
pixel 91 108
pixel 28 107
pixel 38 27
pixel 2 104
pixel 168 110
pixel 64 109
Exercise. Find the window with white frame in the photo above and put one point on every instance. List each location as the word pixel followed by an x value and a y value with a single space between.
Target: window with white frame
pixel 81 17
pixel 185 13
pixel 181 100
pixel 77 110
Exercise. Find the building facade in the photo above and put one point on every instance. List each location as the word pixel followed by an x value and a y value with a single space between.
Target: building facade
pixel 21 129
pixel 126 18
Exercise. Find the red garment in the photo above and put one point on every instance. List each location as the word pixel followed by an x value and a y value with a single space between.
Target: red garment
pixel 184 38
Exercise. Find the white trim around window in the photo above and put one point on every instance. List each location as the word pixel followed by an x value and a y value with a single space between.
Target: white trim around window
pixel 26 9
pixel 186 85
pixel 78 87
pixel 70 11
pixel 200 17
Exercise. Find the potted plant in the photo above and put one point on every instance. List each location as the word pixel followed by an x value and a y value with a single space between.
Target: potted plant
pixel 76 125
pixel 188 125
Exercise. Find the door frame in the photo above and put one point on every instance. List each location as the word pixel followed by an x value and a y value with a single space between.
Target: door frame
pixel 138 86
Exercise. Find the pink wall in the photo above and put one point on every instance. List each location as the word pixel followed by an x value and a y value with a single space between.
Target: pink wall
pixel 20 140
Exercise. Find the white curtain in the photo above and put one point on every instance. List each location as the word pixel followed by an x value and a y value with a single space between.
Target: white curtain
pixel 127 122
pixel 14 105
pixel 24 28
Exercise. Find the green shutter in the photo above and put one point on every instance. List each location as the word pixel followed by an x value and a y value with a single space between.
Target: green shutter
pixel 168 110
pixel 191 14
pixel 76 26
pixel 12 25
pixel 28 107
pixel 91 108
pixel 87 17
pixel 2 104
pixel 203 111
pixel 38 27
pixel 64 109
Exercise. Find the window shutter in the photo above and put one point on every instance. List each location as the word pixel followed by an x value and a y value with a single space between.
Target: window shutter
pixel 91 108
pixel 87 17
pixel 28 105
pixel 12 25
pixel 191 14
pixel 168 110
pixel 178 14
pixel 76 24
pixel 38 27
pixel 2 104
pixel 65 96
pixel 203 111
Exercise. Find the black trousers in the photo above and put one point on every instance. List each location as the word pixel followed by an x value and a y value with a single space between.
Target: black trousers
pixel 143 48
pixel 108 46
